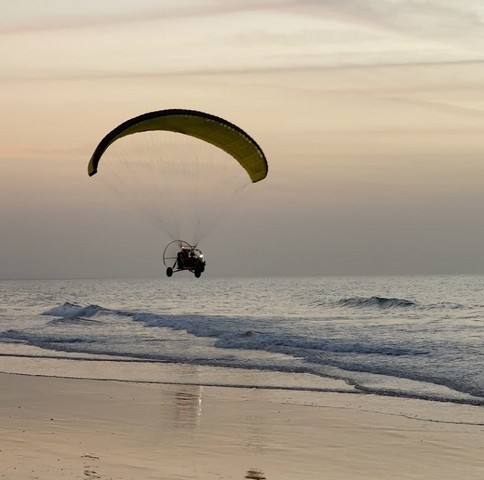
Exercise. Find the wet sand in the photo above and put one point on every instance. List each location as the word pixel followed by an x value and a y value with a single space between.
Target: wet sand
pixel 57 428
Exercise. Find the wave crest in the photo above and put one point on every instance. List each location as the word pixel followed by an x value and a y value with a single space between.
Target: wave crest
pixel 71 311
pixel 380 302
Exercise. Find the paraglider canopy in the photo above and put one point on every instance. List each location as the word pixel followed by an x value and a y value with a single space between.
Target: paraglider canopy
pixel 184 168
pixel 209 128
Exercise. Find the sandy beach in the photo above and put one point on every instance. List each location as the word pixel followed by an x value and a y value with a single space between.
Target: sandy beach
pixel 57 428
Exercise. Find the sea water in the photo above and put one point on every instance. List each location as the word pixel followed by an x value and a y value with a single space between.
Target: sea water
pixel 418 337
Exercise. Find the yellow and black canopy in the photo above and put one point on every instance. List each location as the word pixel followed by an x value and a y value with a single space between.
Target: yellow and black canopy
pixel 209 128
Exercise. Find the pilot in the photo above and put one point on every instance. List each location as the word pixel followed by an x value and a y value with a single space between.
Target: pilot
pixel 182 259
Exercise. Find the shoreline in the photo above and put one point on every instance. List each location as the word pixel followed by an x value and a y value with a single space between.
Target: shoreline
pixel 60 428
pixel 29 360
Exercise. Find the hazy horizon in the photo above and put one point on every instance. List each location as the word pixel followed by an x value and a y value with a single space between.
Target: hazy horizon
pixel 370 116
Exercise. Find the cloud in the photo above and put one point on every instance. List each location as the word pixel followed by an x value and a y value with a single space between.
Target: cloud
pixel 270 51
pixel 410 16
pixel 80 20
pixel 404 16
pixel 438 106
pixel 242 70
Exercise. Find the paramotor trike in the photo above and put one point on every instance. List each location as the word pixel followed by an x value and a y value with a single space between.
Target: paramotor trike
pixel 180 255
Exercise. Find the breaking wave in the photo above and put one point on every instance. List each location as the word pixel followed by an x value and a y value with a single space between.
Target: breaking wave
pixel 73 311
pixel 379 302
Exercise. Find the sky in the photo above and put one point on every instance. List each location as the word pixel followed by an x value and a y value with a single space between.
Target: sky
pixel 370 114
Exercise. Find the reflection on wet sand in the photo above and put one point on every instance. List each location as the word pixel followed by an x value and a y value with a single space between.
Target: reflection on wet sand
pixel 188 402
pixel 186 399
pixel 255 475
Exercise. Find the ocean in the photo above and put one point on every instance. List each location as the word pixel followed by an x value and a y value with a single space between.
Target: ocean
pixel 412 337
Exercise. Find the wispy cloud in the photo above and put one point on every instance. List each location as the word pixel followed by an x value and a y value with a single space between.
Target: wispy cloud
pixel 242 70
pixel 411 16
pixel 140 14
pixel 443 107
pixel 404 16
